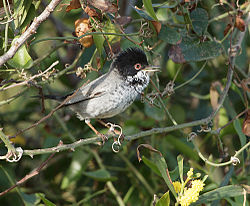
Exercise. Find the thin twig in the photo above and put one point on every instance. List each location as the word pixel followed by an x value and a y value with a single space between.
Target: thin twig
pixel 31 78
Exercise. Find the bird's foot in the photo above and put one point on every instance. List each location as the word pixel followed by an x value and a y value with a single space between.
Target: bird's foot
pixel 117 143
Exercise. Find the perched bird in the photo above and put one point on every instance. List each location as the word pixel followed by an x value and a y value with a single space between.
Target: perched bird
pixel 113 92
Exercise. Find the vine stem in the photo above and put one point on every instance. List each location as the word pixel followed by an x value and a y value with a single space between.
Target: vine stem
pixel 86 34
pixel 223 163
pixel 191 79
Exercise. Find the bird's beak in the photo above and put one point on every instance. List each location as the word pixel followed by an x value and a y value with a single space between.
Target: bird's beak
pixel 151 68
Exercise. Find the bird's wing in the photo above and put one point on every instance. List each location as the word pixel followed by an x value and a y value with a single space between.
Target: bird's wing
pixel 92 90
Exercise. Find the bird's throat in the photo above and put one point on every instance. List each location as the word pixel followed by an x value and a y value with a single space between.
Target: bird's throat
pixel 139 81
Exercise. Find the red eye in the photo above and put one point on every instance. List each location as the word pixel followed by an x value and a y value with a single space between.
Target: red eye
pixel 138 66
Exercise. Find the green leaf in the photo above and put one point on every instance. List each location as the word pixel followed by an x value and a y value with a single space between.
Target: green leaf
pixel 21 13
pixel 162 166
pixel 199 18
pixel 225 182
pixel 30 16
pixel 149 8
pixel 193 50
pixel 169 35
pixel 45 201
pixel 109 27
pixel 142 13
pixel 151 165
pixel 220 193
pixel 164 200
pixel 79 163
pixel 18 5
pixel 29 199
pixel 180 166
pixel 22 58
pixel 99 40
pixel 202 51
pixel 100 175
pixel 167 4
pixel 238 128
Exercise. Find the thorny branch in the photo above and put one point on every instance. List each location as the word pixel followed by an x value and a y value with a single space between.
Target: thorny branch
pixel 31 30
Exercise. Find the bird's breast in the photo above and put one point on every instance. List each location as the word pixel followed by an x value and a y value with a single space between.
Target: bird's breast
pixel 117 96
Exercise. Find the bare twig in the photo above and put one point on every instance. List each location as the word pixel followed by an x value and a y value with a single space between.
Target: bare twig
pixel 31 30
pixel 31 78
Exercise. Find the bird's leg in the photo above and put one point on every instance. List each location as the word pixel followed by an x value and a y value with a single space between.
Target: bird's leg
pixel 104 138
pixel 109 125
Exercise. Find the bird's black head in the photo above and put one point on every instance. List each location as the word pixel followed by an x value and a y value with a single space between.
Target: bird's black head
pixel 130 61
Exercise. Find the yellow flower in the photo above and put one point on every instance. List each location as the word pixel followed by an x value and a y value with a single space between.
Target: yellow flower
pixel 190 172
pixel 177 186
pixel 189 197
pixel 198 185
pixel 192 194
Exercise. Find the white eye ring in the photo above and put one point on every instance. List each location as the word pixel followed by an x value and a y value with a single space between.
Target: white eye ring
pixel 137 66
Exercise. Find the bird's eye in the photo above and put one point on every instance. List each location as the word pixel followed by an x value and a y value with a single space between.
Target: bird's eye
pixel 138 66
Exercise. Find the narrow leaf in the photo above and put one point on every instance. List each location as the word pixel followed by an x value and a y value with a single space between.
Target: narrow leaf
pixel 163 168
pixel 99 40
pixel 149 8
pixel 151 165
pixel 142 13
pixel 220 193
pixel 148 146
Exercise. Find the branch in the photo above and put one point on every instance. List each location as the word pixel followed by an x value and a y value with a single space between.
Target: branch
pixel 31 78
pixel 31 30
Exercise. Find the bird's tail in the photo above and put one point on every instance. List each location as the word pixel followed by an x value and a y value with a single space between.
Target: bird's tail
pixel 54 97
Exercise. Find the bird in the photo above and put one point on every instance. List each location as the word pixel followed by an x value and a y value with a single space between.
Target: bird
pixel 113 92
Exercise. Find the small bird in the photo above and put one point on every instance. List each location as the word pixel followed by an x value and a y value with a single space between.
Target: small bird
pixel 113 92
